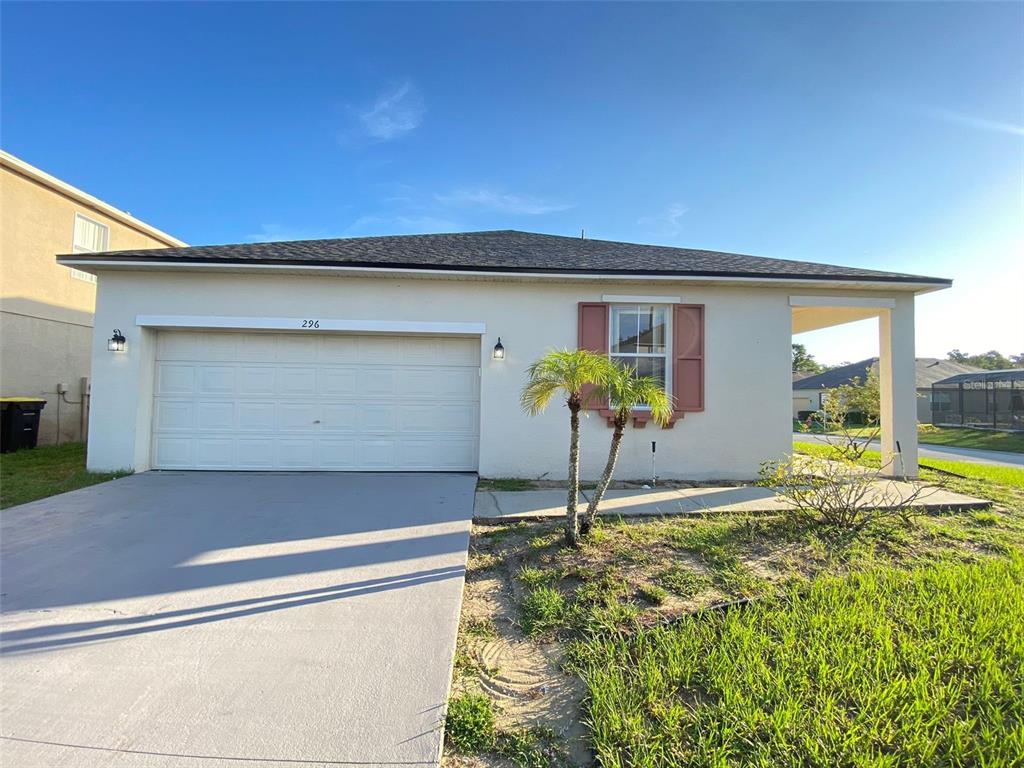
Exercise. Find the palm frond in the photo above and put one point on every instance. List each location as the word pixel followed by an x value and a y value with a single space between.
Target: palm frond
pixel 562 370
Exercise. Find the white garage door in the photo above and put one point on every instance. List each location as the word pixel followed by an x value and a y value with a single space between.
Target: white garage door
pixel 278 401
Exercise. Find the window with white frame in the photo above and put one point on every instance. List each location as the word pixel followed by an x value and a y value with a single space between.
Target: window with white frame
pixel 639 338
pixel 89 237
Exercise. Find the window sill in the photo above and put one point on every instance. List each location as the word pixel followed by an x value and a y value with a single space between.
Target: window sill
pixel 640 418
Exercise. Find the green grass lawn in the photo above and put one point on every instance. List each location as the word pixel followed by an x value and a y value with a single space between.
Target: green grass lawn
pixel 899 645
pixel 982 439
pixel 998 477
pixel 46 471
pixel 880 668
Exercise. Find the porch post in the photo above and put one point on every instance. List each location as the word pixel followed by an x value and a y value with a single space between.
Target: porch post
pixel 898 390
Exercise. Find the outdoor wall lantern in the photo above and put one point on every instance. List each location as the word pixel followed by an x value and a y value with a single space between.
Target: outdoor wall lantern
pixel 499 350
pixel 116 342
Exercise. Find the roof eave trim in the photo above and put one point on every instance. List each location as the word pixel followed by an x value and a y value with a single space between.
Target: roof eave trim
pixel 924 283
pixel 29 171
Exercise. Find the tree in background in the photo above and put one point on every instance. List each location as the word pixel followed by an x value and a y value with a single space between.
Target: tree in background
pixel 804 362
pixel 990 361
pixel 840 403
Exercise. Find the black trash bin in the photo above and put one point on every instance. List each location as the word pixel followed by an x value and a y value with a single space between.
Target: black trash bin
pixel 20 422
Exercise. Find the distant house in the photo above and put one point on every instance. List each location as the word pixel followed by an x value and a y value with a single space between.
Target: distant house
pixel 808 391
pixel 47 310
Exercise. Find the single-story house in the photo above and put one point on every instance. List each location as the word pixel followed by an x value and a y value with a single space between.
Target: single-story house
pixel 408 353
pixel 809 391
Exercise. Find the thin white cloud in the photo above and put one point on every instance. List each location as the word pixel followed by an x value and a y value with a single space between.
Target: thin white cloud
pixel 400 225
pixel 973 121
pixel 669 222
pixel 394 113
pixel 496 200
pixel 276 233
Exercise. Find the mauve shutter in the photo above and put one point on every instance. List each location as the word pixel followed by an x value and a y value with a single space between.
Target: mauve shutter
pixel 592 334
pixel 688 357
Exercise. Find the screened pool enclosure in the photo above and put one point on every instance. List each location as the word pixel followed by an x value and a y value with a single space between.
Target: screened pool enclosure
pixel 991 399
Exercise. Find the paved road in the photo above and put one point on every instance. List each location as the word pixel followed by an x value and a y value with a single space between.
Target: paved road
pixel 948 452
pixel 270 619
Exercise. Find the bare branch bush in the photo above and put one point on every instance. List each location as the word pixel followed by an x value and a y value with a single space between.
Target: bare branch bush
pixel 840 492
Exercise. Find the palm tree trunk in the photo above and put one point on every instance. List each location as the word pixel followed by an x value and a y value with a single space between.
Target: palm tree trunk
pixel 606 478
pixel 571 511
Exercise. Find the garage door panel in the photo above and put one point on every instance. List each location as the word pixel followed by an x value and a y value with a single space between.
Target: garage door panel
pixel 215 452
pixel 297 416
pixel 339 417
pixel 296 454
pixel 265 401
pixel 297 349
pixel 437 419
pixel 173 452
pixel 338 381
pixel 215 380
pixel 257 417
pixel 257 348
pixel 169 415
pixel 377 454
pixel 175 379
pixel 377 418
pixel 296 381
pixel 338 454
pixel 218 415
pixel 374 382
pixel 339 350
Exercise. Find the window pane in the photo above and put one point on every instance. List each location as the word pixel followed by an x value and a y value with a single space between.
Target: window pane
pixel 651 336
pixel 644 366
pixel 651 366
pixel 624 329
pixel 90 236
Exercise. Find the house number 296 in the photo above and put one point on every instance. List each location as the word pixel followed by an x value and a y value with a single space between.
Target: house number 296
pixel 310 323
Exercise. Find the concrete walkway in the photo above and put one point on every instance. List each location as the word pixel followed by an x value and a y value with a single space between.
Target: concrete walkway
pixel 199 619
pixel 946 452
pixel 496 507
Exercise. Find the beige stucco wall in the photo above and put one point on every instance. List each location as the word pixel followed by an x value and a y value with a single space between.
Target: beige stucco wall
pixel 747 329
pixel 46 314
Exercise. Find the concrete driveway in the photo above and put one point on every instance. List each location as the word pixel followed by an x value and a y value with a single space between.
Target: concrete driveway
pixel 217 619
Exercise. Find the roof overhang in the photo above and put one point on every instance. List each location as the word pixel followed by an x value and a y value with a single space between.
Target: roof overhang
pixel 97 265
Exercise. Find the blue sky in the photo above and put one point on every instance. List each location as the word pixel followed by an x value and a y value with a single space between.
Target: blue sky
pixel 880 135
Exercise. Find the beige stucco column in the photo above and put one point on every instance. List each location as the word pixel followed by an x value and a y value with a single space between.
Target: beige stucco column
pixel 896 376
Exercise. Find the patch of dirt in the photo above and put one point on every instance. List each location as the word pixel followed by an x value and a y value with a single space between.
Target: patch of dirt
pixel 523 678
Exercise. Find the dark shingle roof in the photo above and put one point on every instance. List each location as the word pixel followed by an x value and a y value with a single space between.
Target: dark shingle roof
pixel 506 251
pixel 927 371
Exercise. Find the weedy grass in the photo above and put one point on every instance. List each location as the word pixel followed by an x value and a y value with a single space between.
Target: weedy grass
pixel 505 484
pixel 542 609
pixel 1011 477
pixel 469 723
pixel 46 471
pixel 896 645
pixel 881 667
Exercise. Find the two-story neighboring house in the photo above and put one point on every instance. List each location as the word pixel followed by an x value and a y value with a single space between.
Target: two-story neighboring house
pixel 46 310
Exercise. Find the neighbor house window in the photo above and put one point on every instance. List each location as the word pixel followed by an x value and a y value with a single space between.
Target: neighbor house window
pixel 90 237
pixel 639 338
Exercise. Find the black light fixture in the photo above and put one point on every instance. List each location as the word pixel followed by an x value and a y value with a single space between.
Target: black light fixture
pixel 116 342
pixel 499 350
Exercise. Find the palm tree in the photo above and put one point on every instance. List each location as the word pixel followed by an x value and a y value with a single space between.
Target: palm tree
pixel 625 391
pixel 570 372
